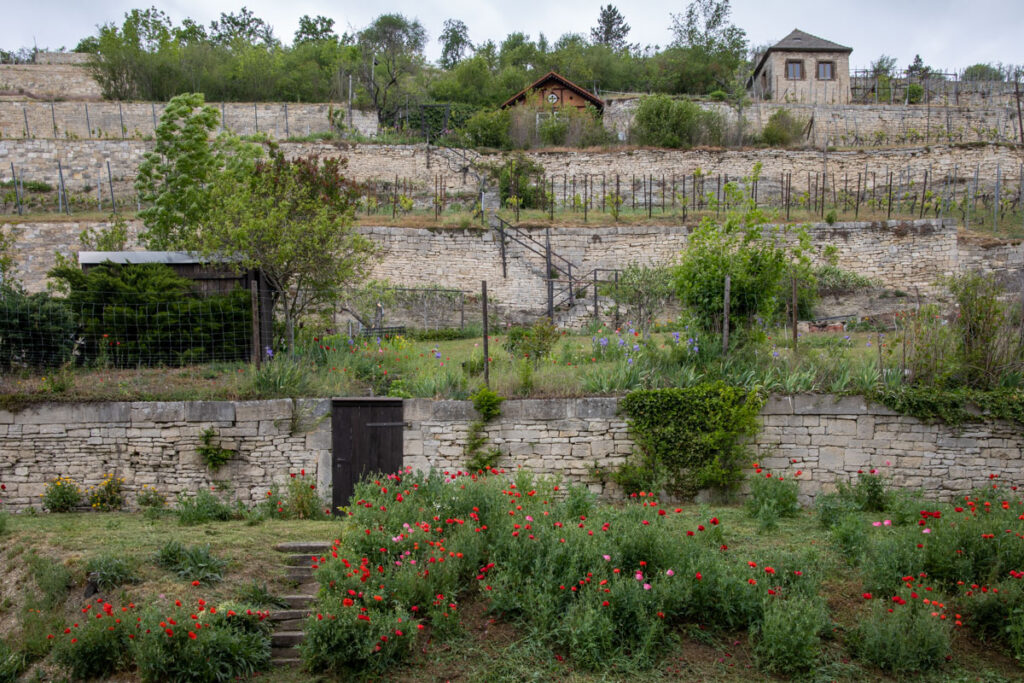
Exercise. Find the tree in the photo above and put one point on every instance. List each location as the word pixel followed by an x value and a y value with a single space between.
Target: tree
pixel 611 29
pixel 292 219
pixel 705 26
pixel 176 176
pixel 918 69
pixel 315 29
pixel 391 49
pixel 884 66
pixel 244 28
pixel 982 72
pixel 646 291
pixel 455 43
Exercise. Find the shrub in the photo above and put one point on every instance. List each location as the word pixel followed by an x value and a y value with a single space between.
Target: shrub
pixel 146 314
pixel 695 435
pixel 661 121
pixel 772 497
pixel 488 405
pixel 284 376
pixel 832 507
pixel 787 639
pixel 110 571
pixel 108 495
pixel 36 330
pixel 98 646
pixel 915 93
pixel 870 492
pixel 212 454
pixel 61 495
pixel 348 641
pixel 907 638
pixel 300 502
pixel 202 508
pixel 534 342
pixel 782 129
pixel 192 563
pixel 229 643
pixel 489 129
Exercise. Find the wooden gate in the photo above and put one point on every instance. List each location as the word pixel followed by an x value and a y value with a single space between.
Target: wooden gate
pixel 366 436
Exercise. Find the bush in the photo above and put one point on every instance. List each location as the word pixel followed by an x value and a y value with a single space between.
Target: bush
pixel 212 454
pixel 534 343
pixel 787 639
pixel 489 129
pixel 225 644
pixel 145 314
pixel 61 495
pixel 347 641
pixel 300 502
pixel 97 647
pixel 110 571
pixel 907 638
pixel 36 330
pixel 192 563
pixel 661 121
pixel 915 93
pixel 772 497
pixel 202 508
pixel 782 129
pixel 694 435
pixel 108 495
pixel 516 177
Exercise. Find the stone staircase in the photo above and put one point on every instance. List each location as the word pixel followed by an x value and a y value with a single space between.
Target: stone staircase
pixel 298 558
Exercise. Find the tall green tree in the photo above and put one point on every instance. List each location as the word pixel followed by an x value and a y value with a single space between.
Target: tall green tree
pixel 455 43
pixel 983 72
pixel 293 219
pixel 176 176
pixel 244 28
pixel 315 29
pixel 392 51
pixel 611 29
pixel 712 47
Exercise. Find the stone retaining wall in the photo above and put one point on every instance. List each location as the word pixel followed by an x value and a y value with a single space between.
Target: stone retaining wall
pixel 826 438
pixel 417 166
pixel 898 254
pixel 46 81
pixel 155 444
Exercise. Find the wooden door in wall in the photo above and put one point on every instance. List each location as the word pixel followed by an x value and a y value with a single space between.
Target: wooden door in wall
pixel 366 436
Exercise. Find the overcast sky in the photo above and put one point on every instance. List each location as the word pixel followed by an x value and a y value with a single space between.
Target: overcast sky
pixel 945 33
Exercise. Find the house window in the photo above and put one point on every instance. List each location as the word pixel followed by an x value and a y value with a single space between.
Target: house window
pixel 826 71
pixel 795 70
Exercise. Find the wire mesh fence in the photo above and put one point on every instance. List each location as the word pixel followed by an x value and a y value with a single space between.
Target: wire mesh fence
pixel 117 329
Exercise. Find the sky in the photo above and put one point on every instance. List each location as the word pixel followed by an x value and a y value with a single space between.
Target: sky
pixel 947 34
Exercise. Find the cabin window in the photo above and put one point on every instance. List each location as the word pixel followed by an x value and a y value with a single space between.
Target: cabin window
pixel 795 70
pixel 826 71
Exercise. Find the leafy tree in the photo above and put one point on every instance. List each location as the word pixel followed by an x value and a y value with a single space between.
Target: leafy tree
pixel 884 66
pixel 176 175
pixel 391 49
pixel 293 219
pixel 645 290
pixel 89 45
pixel 982 72
pixel 244 28
pixel 705 27
pixel 455 43
pixel 756 255
pixel 611 29
pixel 315 29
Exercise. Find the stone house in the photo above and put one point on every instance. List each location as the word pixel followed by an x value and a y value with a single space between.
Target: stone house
pixel 802 68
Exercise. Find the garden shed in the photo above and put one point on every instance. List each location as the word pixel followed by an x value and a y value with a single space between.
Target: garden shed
pixel 557 92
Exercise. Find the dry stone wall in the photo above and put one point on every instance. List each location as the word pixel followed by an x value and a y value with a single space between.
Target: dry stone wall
pixel 905 255
pixel 48 81
pixel 855 125
pixel 155 444
pixel 827 438
pixel 419 166
pixel 138 120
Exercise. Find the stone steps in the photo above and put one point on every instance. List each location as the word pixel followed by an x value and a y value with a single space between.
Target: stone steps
pixel 297 566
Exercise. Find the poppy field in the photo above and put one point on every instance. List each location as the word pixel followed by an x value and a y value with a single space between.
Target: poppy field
pixel 504 576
